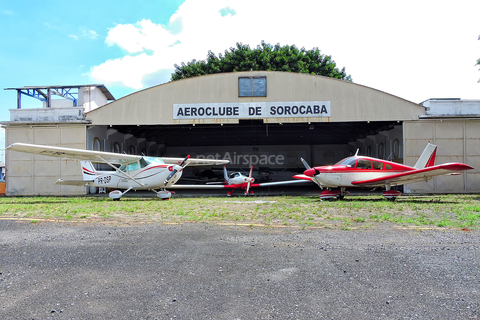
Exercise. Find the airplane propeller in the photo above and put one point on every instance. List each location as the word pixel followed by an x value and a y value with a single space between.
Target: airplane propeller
pixel 305 163
pixel 250 180
pixel 307 166
pixel 176 168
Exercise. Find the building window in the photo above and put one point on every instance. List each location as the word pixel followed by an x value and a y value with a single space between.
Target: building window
pixel 396 149
pixel 252 86
pixel 97 145
pixel 381 150
pixel 116 147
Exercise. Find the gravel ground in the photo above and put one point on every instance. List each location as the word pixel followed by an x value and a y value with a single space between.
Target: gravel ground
pixel 197 271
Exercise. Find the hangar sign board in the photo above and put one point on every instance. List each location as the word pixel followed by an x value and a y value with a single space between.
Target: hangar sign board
pixel 249 110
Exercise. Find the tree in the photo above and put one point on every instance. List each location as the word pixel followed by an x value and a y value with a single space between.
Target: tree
pixel 265 57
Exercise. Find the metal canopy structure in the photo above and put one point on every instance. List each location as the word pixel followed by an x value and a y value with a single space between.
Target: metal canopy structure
pixel 255 132
pixel 45 93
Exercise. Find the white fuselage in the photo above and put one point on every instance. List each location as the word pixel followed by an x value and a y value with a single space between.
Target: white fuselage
pixel 345 179
pixel 238 179
pixel 150 177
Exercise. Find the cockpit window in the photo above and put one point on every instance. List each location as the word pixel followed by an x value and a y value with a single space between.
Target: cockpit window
pixel 349 162
pixel 123 168
pixel 143 163
pixel 364 164
pixel 234 175
pixel 132 166
pixel 377 165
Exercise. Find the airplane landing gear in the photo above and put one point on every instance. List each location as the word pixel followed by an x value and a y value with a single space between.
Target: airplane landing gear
pixel 391 195
pixel 115 195
pixel 339 194
pixel 248 193
pixel 164 195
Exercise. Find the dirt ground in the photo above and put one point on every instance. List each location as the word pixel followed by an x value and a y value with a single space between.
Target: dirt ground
pixel 70 270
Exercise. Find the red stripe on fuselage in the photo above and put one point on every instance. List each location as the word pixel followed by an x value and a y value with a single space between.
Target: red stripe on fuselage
pixel 163 166
pixel 89 171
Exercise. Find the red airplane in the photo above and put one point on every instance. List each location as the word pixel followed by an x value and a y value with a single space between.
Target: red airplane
pixel 359 171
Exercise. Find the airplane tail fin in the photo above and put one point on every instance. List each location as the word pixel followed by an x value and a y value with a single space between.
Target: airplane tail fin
pixel 225 173
pixel 427 159
pixel 88 170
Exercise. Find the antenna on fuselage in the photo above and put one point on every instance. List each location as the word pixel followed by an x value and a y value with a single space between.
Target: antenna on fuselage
pixel 356 153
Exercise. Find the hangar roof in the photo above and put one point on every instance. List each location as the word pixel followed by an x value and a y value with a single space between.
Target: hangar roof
pixel 342 101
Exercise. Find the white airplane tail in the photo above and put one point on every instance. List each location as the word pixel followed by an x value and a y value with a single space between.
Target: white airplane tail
pixel 427 159
pixel 88 170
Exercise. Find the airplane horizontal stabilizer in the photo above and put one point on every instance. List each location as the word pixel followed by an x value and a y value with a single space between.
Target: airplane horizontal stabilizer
pixel 73 182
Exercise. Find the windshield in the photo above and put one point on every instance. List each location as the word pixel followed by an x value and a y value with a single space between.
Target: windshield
pixel 234 175
pixel 153 160
pixel 349 162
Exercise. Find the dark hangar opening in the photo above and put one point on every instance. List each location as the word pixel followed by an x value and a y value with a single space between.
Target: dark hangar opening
pixel 256 132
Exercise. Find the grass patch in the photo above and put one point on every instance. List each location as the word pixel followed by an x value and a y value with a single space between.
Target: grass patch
pixel 446 211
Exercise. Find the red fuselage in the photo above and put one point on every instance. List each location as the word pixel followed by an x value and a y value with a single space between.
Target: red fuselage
pixel 355 168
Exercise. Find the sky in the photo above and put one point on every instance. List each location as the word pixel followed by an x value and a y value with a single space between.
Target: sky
pixel 415 50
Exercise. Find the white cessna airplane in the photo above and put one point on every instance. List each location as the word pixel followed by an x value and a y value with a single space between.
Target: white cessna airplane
pixel 235 180
pixel 135 172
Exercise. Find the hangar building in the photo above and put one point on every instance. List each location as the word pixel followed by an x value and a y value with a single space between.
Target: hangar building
pixel 266 119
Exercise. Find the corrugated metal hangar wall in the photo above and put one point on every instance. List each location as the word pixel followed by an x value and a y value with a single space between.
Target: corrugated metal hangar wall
pixel 30 174
pixel 458 140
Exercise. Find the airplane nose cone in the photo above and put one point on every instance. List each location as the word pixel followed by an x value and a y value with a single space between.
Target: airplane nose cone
pixel 310 172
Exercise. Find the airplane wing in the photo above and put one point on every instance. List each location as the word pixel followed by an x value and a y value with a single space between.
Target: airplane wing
pixel 302 176
pixel 193 162
pixel 414 175
pixel 268 184
pixel 77 154
pixel 230 186
pixel 197 186
pixel 101 156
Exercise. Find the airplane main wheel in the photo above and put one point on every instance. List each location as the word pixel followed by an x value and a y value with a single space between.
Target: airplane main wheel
pixel 115 195
pixel 164 195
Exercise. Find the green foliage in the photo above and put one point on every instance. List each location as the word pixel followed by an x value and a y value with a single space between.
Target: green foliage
pixel 266 58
